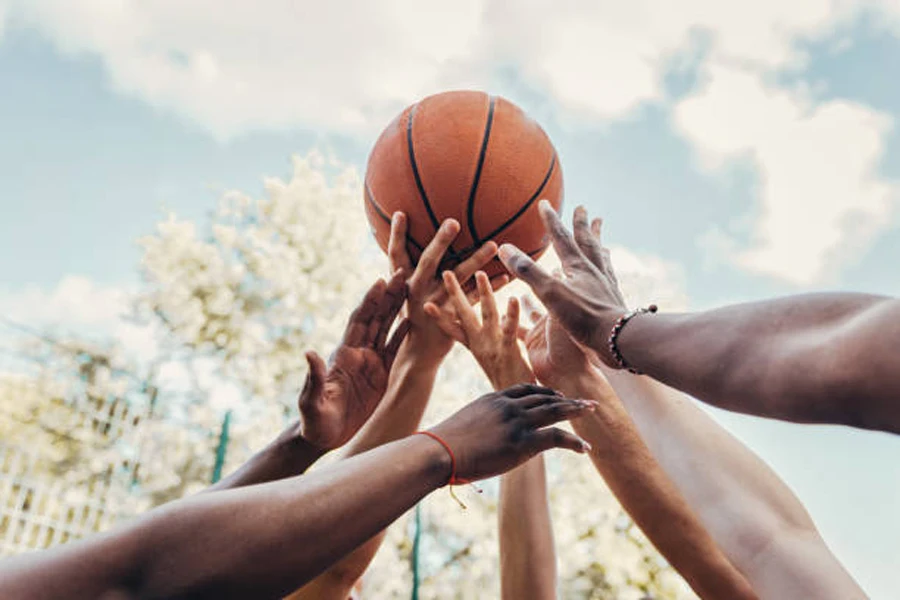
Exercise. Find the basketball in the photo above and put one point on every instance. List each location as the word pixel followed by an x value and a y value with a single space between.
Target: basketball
pixel 465 155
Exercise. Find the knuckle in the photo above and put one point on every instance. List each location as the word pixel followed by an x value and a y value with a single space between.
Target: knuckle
pixel 510 412
pixel 517 434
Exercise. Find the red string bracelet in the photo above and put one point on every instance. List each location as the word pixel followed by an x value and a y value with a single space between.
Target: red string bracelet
pixel 453 480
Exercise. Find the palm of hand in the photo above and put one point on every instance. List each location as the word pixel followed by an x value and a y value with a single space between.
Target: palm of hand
pixel 354 384
pixel 551 351
pixel 425 331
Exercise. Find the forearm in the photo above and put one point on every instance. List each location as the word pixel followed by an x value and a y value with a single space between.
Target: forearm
pixel 792 358
pixel 527 555
pixel 746 508
pixel 398 416
pixel 400 412
pixel 648 495
pixel 290 530
pixel 286 456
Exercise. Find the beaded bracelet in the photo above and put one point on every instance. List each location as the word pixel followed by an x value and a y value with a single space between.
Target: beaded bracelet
pixel 614 337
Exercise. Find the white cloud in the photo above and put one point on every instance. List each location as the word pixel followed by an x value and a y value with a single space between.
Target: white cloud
pixel 821 199
pixel 643 278
pixel 646 279
pixel 75 300
pixel 81 306
pixel 236 66
pixel 351 64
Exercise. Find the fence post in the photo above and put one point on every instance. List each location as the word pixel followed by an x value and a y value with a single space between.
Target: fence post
pixel 221 448
pixel 417 537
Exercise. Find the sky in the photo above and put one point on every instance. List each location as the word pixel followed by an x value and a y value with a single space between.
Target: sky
pixel 752 151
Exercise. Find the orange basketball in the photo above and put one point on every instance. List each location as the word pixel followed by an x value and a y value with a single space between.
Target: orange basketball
pixel 467 155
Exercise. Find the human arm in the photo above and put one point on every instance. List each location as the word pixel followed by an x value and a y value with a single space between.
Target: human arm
pixel 823 358
pixel 629 469
pixel 752 515
pixel 748 511
pixel 811 358
pixel 264 540
pixel 411 379
pixel 337 399
pixel 527 555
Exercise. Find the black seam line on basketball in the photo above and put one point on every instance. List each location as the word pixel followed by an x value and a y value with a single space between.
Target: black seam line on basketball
pixel 419 185
pixel 524 207
pixel 470 208
pixel 371 200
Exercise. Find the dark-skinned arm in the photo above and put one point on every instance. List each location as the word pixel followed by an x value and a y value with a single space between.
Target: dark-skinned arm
pixel 265 540
pixel 332 406
pixel 815 358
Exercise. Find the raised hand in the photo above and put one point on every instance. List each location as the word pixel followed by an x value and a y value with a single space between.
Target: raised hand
pixel 502 430
pixel 586 301
pixel 492 342
pixel 426 340
pixel 336 400
pixel 551 352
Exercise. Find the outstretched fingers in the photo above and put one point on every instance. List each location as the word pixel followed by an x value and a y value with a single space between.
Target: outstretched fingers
pixel 510 327
pixel 464 313
pixel 563 242
pixel 357 331
pixel 388 308
pixel 477 261
pixel 558 410
pixel 434 252
pixel 588 243
pixel 489 317
pixel 397 254
pixel 523 267
pixel 554 437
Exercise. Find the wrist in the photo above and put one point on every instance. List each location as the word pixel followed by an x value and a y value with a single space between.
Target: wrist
pixel 615 336
pixel 606 322
pixel 418 353
pixel 437 463
pixel 292 449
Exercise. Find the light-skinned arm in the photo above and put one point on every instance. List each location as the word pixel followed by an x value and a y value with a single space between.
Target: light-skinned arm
pixel 628 466
pixel 527 554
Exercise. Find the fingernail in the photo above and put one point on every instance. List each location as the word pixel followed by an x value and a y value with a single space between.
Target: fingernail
pixel 506 251
pixel 449 225
pixel 585 446
pixel 545 205
pixel 395 218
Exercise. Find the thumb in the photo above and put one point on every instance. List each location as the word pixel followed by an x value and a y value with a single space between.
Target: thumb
pixel 315 379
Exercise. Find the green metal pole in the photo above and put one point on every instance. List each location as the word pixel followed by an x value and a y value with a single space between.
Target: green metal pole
pixel 221 448
pixel 417 536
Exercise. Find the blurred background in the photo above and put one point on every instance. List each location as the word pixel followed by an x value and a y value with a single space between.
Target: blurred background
pixel 182 218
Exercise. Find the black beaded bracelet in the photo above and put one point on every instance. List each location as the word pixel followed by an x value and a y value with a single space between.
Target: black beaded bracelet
pixel 614 337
